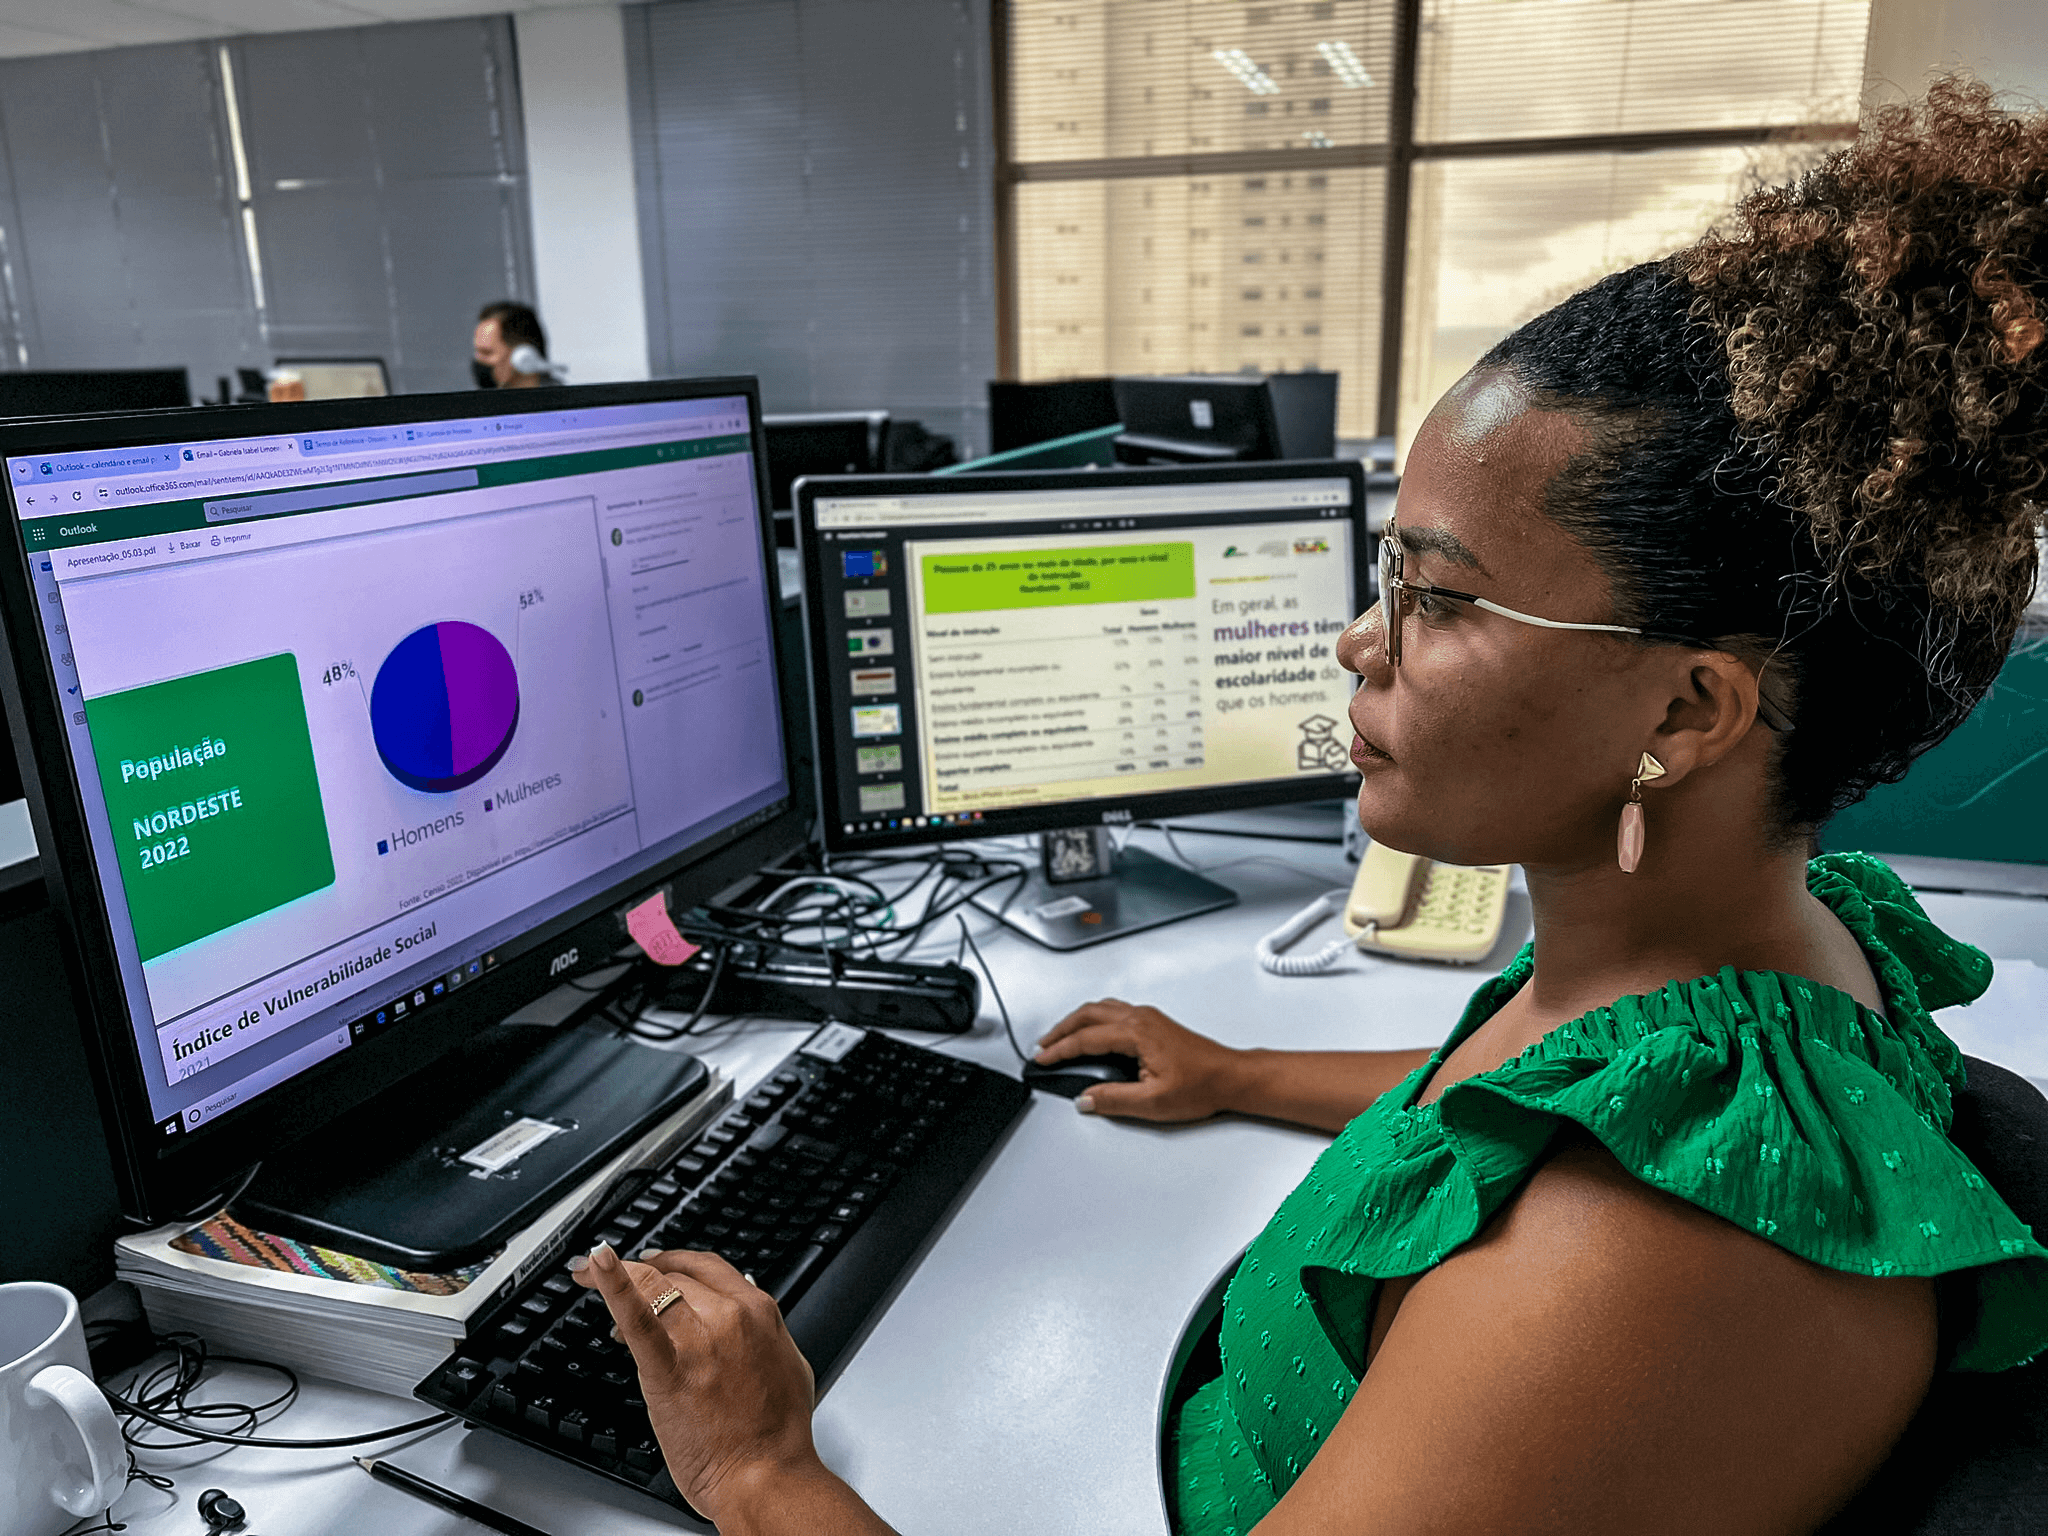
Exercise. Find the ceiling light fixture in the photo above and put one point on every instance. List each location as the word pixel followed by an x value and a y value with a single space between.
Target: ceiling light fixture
pixel 1242 65
pixel 1345 64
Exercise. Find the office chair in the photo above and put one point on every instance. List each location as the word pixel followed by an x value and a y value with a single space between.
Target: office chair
pixel 1974 1461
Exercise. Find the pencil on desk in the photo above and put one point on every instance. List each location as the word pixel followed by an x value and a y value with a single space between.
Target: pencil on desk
pixel 469 1509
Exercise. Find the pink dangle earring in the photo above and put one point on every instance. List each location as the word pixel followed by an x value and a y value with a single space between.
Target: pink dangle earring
pixel 1629 843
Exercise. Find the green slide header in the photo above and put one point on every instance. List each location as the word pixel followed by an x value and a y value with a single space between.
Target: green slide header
pixel 1054 578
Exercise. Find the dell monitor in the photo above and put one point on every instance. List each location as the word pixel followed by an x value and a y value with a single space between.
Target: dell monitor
pixel 1226 418
pixel 823 443
pixel 1021 414
pixel 355 726
pixel 1079 649
pixel 339 378
pixel 77 391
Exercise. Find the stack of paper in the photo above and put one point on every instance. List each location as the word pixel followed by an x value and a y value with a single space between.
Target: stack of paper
pixel 346 1319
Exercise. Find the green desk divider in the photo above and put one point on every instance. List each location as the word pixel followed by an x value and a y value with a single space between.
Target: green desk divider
pixel 1981 794
pixel 1082 450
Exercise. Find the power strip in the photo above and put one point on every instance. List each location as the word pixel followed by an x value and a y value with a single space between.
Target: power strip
pixel 801 984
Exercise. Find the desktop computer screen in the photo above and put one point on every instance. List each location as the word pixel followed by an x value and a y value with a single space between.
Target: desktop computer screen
pixel 1014 653
pixel 1020 414
pixel 339 378
pixel 354 724
pixel 823 443
pixel 1220 418
pixel 74 391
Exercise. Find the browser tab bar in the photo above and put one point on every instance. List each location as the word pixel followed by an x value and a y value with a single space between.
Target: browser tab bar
pixel 445 431
pixel 317 443
pixel 81 466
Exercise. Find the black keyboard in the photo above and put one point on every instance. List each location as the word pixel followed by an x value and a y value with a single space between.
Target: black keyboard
pixel 823 1185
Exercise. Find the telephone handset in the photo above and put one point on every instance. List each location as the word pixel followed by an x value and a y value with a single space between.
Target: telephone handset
pixel 1402 904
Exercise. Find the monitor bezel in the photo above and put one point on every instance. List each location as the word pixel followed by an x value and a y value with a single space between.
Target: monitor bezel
pixel 1099 811
pixel 158 1184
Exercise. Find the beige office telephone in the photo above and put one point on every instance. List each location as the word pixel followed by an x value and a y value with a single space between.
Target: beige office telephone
pixel 1416 908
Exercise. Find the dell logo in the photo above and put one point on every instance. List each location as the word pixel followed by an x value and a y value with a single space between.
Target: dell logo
pixel 1116 816
pixel 562 962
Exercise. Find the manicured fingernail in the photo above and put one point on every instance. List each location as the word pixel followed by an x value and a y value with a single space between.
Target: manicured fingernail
pixel 604 1257
pixel 617 1338
pixel 1085 1104
pixel 578 1263
pixel 649 1255
pixel 748 1277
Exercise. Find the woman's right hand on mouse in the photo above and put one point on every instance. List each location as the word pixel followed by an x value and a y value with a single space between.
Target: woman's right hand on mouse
pixel 1181 1075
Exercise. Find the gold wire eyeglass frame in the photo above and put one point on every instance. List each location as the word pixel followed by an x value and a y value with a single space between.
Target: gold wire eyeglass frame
pixel 1393 561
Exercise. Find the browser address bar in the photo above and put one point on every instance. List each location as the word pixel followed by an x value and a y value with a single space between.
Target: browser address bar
pixel 316 497
pixel 481 451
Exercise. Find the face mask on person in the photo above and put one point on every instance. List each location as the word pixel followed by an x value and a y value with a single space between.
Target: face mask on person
pixel 481 372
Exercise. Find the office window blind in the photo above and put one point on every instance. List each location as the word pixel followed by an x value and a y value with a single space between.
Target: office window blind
pixel 1533 68
pixel 815 193
pixel 216 205
pixel 1177 169
pixel 1103 79
pixel 1273 271
pixel 387 179
pixel 117 249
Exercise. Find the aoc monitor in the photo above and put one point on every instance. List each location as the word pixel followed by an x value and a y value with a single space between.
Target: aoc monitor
pixel 1073 649
pixel 1225 418
pixel 355 726
pixel 78 391
pixel 339 378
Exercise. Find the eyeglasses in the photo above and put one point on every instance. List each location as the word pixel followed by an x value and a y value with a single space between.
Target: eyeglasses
pixel 1393 562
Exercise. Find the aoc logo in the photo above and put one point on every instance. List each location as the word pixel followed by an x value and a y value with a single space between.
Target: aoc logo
pixel 562 962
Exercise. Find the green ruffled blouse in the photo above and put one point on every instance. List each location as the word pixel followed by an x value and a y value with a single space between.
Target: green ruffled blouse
pixel 1776 1102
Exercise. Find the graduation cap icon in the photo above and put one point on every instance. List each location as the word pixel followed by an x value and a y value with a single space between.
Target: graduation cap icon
pixel 1318 751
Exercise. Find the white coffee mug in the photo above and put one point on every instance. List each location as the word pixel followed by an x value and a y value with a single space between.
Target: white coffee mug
pixel 61 1453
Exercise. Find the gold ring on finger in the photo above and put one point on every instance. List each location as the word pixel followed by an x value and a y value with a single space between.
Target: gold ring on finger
pixel 664 1301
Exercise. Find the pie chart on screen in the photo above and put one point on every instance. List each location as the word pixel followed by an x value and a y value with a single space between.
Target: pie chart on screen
pixel 444 706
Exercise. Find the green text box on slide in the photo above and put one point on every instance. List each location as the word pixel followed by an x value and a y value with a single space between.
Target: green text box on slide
pixel 1054 578
pixel 213 797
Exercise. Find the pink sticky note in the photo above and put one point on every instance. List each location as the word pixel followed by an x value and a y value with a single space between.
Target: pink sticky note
pixel 655 932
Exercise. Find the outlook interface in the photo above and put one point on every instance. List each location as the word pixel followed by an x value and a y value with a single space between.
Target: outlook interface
pixel 992 652
pixel 350 711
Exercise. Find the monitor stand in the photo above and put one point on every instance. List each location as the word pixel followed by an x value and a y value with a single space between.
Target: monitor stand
pixel 1143 892
pixel 442 1169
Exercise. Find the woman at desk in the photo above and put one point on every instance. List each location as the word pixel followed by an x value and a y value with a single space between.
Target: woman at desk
pixel 1652 1241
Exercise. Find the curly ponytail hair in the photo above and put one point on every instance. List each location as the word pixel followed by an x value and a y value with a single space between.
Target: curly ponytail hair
pixel 1819 435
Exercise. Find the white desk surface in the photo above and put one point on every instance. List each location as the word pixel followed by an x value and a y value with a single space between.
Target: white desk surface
pixel 1014 1382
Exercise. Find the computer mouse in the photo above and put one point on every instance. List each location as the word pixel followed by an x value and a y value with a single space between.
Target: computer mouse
pixel 1077 1074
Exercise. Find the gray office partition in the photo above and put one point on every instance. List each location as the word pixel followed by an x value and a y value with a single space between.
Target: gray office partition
pixel 121 248
pixel 816 201
pixel 381 169
pixel 388 167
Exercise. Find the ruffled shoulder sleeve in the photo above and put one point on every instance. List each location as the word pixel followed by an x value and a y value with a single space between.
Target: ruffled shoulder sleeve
pixel 1778 1103
pixel 1879 908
